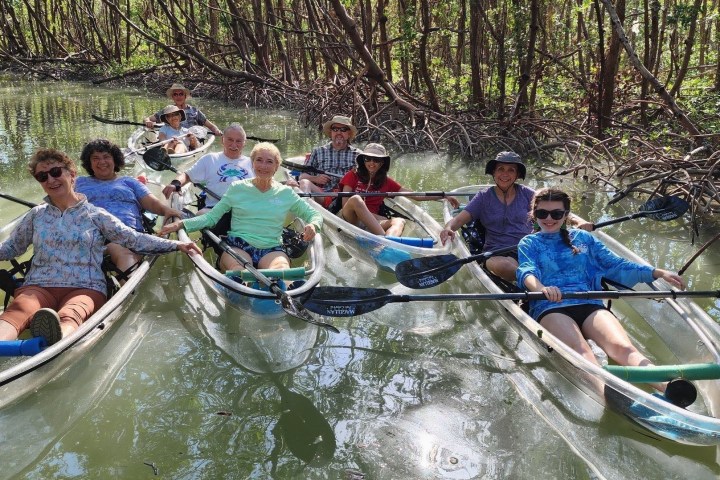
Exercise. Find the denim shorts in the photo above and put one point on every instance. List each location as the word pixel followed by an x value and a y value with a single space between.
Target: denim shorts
pixel 255 253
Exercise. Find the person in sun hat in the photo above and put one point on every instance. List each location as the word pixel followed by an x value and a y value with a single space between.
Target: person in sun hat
pixel 193 116
pixel 337 157
pixel 183 141
pixel 502 210
pixel 373 163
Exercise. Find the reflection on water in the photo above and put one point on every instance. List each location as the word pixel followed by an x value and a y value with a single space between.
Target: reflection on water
pixel 418 390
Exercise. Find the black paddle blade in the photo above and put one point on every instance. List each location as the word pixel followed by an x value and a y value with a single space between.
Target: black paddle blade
pixel 426 272
pixel 347 301
pixel 158 159
pixel 665 209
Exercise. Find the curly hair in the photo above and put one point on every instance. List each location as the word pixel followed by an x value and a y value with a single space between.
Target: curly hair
pixel 51 155
pixel 553 195
pixel 101 145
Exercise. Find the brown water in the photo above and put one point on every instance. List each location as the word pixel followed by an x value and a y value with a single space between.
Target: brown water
pixel 414 391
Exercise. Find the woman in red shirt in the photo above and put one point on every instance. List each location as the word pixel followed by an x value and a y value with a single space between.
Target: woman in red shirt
pixel 373 164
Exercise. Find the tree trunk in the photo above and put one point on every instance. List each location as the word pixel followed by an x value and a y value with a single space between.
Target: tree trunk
pixel 689 43
pixel 612 62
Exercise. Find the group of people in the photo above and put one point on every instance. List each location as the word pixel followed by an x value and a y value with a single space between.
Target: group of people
pixel 65 283
pixel 552 258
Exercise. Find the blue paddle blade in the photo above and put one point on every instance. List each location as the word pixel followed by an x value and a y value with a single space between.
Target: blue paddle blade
pixel 664 209
pixel 426 272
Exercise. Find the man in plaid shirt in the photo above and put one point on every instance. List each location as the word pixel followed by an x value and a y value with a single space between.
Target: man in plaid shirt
pixel 336 157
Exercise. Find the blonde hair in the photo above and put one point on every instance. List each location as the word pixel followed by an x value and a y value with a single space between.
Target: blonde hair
pixel 274 152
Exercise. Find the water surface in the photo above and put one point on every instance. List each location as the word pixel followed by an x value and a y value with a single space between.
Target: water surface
pixel 187 387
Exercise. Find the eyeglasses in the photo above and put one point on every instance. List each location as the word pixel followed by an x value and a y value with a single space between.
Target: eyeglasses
pixel 340 129
pixel 178 94
pixel 373 160
pixel 542 214
pixel 54 172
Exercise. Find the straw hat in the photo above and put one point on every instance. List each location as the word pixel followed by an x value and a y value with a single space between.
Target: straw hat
pixel 177 86
pixel 506 157
pixel 172 109
pixel 340 120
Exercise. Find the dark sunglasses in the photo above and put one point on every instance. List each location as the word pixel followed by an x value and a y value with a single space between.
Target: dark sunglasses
pixel 373 160
pixel 340 129
pixel 542 214
pixel 54 172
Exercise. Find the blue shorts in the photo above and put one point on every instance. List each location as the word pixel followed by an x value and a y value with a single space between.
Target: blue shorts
pixel 255 253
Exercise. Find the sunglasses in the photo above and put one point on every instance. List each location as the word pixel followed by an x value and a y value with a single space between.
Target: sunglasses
pixel 373 160
pixel 340 129
pixel 54 172
pixel 542 214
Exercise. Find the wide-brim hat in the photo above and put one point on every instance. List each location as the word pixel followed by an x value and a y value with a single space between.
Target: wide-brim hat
pixel 172 109
pixel 340 120
pixel 374 150
pixel 506 157
pixel 177 86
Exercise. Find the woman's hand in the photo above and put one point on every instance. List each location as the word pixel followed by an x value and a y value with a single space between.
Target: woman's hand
pixel 171 212
pixel 308 232
pixel 453 201
pixel 446 233
pixel 189 247
pixel 552 293
pixel 170 228
pixel 671 277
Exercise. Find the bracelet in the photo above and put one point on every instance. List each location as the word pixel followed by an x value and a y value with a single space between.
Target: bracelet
pixel 176 184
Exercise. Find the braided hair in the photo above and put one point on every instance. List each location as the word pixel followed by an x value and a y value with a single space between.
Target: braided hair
pixel 553 195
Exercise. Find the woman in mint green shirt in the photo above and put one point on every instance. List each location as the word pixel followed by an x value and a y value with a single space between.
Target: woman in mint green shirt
pixel 259 208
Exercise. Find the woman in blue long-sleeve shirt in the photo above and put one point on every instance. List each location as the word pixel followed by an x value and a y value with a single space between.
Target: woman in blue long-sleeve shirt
pixel 556 260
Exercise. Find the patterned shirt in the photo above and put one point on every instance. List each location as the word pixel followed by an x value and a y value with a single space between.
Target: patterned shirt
pixel 68 246
pixel 339 162
pixel 193 116
pixel 546 257
pixel 257 217
pixel 120 196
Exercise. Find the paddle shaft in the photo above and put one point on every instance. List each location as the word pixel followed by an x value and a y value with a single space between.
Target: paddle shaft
pixel 154 145
pixel 346 301
pixel 626 217
pixel 308 169
pixel 382 194
pixel 18 200
pixel 122 122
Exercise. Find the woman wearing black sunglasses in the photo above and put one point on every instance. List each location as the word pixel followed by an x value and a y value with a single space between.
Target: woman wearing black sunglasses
pixel 556 259
pixel 373 164
pixel 65 283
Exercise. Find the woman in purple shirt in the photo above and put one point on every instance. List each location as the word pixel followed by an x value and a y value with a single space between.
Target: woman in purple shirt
pixel 502 210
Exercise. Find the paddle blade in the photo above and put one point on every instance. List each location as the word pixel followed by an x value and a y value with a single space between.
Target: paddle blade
pixel 347 301
pixel 426 272
pixel 158 159
pixel 665 209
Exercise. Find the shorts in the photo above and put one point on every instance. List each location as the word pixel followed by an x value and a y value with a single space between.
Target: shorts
pixel 579 313
pixel 255 253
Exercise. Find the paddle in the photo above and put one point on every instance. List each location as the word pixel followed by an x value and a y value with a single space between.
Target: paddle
pixel 308 169
pixel 158 159
pixel 18 200
pixel 383 194
pixel 289 304
pixel 128 122
pixel 350 301
pixel 426 272
pixel 122 122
